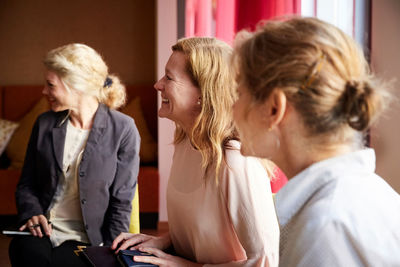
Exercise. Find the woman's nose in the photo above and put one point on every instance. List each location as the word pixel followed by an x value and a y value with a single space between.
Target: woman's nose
pixel 44 90
pixel 158 85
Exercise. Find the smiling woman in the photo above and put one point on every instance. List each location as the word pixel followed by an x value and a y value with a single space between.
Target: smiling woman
pixel 56 92
pixel 81 165
pixel 220 207
pixel 180 96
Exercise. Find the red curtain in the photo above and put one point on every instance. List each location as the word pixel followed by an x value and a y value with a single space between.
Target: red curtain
pixel 249 13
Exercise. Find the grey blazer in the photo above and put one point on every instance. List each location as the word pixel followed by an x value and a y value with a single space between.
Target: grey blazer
pixel 107 172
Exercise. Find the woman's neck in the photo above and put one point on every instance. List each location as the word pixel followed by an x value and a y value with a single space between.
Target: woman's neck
pixel 82 115
pixel 298 158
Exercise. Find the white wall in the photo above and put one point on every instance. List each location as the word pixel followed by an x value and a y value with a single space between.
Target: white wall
pixel 166 37
pixel 336 12
pixel 386 63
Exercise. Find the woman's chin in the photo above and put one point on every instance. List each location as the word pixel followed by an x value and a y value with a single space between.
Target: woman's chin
pixel 245 151
pixel 163 114
pixel 57 108
pixel 160 114
pixel 54 108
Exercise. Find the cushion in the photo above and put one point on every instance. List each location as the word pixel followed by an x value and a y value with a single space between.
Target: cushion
pixel 16 148
pixel 7 129
pixel 148 147
pixel 134 224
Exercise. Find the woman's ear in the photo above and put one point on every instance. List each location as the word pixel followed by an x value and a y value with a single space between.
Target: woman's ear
pixel 275 107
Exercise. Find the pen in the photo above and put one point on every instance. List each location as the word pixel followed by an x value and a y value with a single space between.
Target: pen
pixel 38 224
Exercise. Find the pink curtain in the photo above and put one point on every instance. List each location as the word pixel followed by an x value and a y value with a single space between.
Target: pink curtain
pixel 249 13
pixel 198 18
pixel 225 16
pixel 232 16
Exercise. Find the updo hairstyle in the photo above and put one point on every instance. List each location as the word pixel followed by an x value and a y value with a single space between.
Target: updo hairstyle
pixel 321 70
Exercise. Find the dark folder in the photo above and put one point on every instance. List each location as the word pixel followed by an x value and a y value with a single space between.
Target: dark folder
pixel 97 256
pixel 100 257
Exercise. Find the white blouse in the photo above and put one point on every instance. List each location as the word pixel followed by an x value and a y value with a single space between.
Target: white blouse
pixel 338 212
pixel 65 210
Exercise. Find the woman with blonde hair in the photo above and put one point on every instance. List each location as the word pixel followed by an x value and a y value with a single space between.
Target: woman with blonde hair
pixel 306 99
pixel 81 164
pixel 220 208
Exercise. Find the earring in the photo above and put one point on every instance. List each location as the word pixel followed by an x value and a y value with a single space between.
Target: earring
pixel 199 101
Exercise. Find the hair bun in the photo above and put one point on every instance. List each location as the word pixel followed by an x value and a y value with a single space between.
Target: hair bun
pixel 113 92
pixel 108 82
pixel 355 104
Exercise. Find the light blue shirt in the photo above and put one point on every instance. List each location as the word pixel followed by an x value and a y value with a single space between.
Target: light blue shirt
pixel 338 212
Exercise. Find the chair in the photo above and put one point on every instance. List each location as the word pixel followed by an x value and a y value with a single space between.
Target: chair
pixel 134 225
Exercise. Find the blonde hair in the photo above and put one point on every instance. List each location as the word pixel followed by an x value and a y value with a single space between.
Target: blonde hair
pixel 321 70
pixel 83 69
pixel 208 64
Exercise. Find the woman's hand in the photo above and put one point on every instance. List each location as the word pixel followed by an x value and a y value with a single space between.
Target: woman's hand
pixel 163 259
pixel 36 224
pixel 136 241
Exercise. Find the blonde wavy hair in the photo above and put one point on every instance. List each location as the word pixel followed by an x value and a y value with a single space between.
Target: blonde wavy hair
pixel 208 65
pixel 321 70
pixel 81 68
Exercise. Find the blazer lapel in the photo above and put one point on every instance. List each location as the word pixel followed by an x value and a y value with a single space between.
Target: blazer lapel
pixel 98 128
pixel 58 136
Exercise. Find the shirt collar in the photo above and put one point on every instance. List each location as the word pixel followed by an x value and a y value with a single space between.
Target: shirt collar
pixel 292 197
pixel 99 117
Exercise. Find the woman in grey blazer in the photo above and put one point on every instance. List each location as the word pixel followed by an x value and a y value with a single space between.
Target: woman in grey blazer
pixel 81 165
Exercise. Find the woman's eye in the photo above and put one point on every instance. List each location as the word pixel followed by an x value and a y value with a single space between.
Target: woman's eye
pixel 168 78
